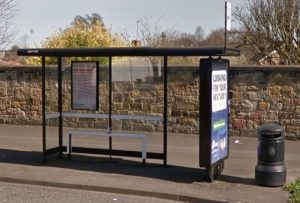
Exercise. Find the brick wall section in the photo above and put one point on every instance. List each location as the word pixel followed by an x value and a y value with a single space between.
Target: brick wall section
pixel 258 95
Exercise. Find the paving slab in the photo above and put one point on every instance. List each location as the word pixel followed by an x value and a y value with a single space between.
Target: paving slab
pixel 181 180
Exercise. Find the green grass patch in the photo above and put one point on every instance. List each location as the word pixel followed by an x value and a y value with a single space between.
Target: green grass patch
pixel 294 189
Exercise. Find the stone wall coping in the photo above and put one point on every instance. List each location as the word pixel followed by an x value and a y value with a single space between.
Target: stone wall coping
pixel 232 67
pixel 265 68
pixel 16 68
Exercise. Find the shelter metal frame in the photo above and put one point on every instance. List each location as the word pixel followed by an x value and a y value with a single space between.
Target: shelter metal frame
pixel 113 52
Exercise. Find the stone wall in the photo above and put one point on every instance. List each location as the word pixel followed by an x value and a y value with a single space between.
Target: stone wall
pixel 145 98
pixel 258 95
pixel 262 95
pixel 20 96
pixel 20 101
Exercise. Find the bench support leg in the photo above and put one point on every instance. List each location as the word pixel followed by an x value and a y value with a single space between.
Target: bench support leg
pixel 70 147
pixel 110 148
pixel 144 150
pixel 144 162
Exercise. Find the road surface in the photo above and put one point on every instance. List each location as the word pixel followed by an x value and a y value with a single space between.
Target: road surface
pixel 16 193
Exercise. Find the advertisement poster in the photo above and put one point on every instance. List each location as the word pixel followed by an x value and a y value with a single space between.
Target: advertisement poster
pixel 219 148
pixel 84 85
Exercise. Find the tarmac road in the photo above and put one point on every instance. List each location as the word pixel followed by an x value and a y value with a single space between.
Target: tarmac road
pixel 16 193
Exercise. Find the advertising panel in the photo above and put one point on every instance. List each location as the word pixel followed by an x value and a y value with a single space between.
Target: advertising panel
pixel 219 114
pixel 85 85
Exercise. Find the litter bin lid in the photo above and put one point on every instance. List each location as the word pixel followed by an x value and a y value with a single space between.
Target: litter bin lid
pixel 271 129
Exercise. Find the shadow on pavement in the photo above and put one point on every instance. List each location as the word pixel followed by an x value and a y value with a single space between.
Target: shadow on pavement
pixel 179 174
pixel 239 180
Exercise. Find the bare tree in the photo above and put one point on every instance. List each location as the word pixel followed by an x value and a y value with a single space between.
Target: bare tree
pixel 152 35
pixel 189 40
pixel 7 12
pixel 215 38
pixel 272 29
pixel 155 36
pixel 199 34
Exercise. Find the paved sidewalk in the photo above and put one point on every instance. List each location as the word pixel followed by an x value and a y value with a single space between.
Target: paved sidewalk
pixel 183 180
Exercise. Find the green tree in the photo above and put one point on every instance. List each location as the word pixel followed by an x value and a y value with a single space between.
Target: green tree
pixel 83 32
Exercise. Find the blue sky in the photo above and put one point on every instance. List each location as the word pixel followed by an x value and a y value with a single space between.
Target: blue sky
pixel 47 16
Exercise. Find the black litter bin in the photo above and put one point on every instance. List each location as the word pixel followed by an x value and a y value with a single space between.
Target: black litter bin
pixel 270 169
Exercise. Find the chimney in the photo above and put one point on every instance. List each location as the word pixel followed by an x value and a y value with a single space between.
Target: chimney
pixel 136 43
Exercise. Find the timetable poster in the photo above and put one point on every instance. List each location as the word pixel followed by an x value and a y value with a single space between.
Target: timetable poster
pixel 84 85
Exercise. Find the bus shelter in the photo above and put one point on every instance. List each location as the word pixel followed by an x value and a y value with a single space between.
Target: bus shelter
pixel 213 101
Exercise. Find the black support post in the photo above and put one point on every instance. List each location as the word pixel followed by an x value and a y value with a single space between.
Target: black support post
pixel 110 103
pixel 44 106
pixel 225 30
pixel 165 109
pixel 60 125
